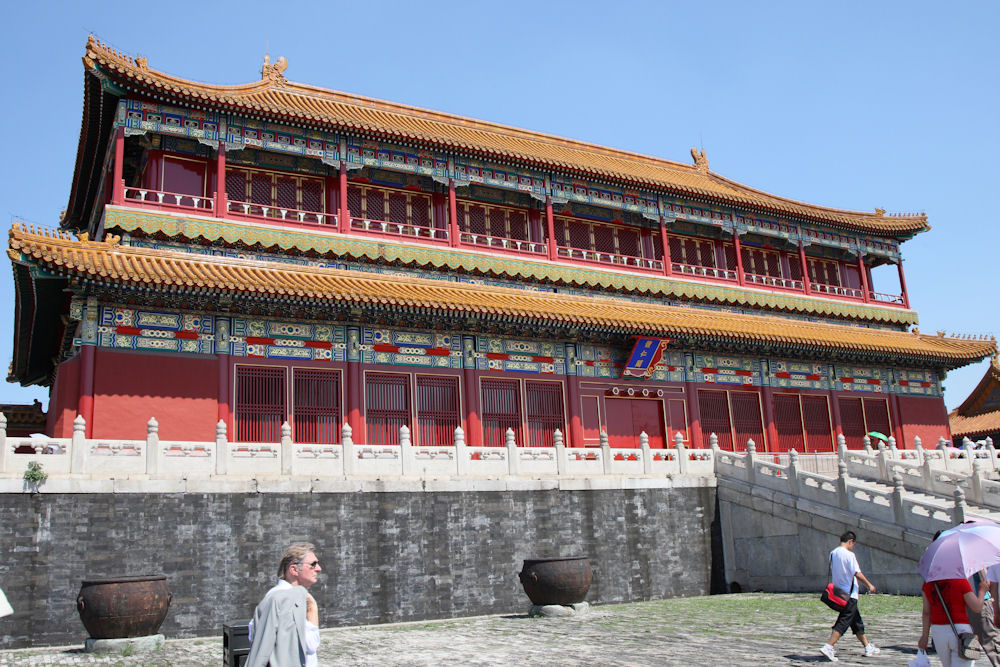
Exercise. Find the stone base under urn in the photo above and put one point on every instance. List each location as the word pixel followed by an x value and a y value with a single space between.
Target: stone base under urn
pixel 556 610
pixel 125 646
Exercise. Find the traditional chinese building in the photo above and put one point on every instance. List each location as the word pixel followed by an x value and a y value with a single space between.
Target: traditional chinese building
pixel 277 252
pixel 978 417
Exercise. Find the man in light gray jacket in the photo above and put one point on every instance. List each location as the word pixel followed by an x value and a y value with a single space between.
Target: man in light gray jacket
pixel 284 631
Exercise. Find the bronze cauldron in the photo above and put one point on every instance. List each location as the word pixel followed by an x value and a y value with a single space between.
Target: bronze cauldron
pixel 556 580
pixel 122 607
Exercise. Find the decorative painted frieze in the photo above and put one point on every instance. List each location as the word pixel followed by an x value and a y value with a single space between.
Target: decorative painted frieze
pixel 159 331
pixel 506 177
pixel 276 339
pixel 410 348
pixel 916 383
pixel 496 353
pixel 797 375
pixel 717 369
pixel 859 379
pixel 395 157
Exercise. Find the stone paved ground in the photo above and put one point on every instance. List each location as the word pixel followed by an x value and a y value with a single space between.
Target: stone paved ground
pixel 748 629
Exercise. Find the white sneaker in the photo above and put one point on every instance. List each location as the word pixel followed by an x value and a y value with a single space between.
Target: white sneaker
pixel 871 650
pixel 827 650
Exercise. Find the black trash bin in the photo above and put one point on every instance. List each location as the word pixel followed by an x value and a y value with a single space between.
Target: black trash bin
pixel 235 643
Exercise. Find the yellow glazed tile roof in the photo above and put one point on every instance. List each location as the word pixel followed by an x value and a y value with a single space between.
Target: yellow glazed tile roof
pixel 983 398
pixel 381 250
pixel 165 269
pixel 275 97
pixel 975 425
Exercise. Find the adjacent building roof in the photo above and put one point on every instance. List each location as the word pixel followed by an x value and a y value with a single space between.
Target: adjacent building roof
pixel 276 98
pixel 979 413
pixel 108 263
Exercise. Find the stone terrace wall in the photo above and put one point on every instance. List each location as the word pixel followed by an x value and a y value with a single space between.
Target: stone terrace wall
pixel 387 556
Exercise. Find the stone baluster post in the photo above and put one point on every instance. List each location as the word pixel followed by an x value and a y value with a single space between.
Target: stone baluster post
pixel 286 448
pixel 942 446
pixel 461 453
pixel 897 500
pixel 562 461
pixel 927 473
pixel 647 454
pixel 221 449
pixel 406 455
pixel 682 455
pixel 885 468
pixel 79 445
pixel 513 458
pixel 976 481
pixel 793 472
pixel 868 444
pixel 842 447
pixel 893 450
pixel 842 493
pixel 347 444
pixel 3 442
pixel 918 447
pixel 605 453
pixel 989 448
pixel 958 513
pixel 749 458
pixel 152 446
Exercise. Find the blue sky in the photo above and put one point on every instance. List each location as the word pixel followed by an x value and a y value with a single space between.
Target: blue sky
pixel 857 105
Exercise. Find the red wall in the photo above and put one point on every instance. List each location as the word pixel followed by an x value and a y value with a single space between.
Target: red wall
pixel 129 388
pixel 63 399
pixel 924 417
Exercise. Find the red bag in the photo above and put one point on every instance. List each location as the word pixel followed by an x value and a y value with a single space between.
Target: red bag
pixel 834 598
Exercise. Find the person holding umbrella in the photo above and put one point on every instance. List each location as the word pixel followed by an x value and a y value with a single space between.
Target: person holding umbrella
pixel 945 567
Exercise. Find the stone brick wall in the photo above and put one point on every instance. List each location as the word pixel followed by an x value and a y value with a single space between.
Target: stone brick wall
pixel 386 556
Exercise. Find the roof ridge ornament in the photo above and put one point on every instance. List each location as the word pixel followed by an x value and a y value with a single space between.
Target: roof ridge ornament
pixel 274 73
pixel 700 160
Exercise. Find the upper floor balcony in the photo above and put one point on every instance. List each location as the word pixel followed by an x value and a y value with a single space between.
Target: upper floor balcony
pixel 432 214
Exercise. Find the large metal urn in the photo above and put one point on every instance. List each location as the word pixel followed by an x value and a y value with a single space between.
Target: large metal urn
pixel 123 607
pixel 562 581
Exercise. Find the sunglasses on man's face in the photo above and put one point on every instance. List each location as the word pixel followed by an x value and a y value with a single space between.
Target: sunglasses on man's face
pixel 311 565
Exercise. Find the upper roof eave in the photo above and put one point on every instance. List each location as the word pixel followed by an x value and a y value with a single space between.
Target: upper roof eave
pixel 322 107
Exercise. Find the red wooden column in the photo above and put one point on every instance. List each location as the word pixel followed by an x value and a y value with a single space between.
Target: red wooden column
pixel 770 428
pixel 691 394
pixel 835 410
pixel 454 234
pixel 343 214
pixel 221 197
pixel 902 283
pixel 470 389
pixel 85 403
pixel 223 411
pixel 331 200
pixel 118 186
pixel 739 256
pixel 664 241
pixel 575 438
pixel 354 392
pixel 897 423
pixel 805 268
pixel 863 270
pixel 550 226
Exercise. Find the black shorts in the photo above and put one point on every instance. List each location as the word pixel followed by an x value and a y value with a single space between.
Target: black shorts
pixel 850 618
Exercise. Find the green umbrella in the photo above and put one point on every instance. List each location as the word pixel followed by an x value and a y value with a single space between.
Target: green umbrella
pixel 880 436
